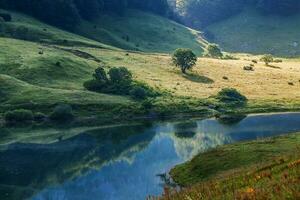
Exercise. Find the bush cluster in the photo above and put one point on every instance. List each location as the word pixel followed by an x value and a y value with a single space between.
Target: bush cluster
pixel 118 81
pixel 62 113
pixel 231 95
pixel 6 17
pixel 19 116
pixel 213 51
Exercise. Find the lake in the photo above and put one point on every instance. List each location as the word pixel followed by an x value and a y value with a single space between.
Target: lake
pixel 118 163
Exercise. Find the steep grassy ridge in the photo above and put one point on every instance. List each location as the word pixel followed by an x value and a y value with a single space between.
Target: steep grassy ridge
pixel 152 34
pixel 27 28
pixel 141 31
pixel 252 32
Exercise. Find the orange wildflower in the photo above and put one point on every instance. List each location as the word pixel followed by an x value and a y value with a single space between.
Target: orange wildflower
pixel 250 190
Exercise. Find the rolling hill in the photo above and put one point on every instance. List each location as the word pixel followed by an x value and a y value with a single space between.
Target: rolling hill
pixel 259 34
pixel 45 66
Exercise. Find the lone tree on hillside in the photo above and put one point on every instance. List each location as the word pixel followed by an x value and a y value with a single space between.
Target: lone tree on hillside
pixel 184 58
pixel 268 58
pixel 214 51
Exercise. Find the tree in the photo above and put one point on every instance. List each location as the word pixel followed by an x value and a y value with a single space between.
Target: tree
pixel 100 75
pixel 120 75
pixel 184 58
pixel 267 59
pixel 214 51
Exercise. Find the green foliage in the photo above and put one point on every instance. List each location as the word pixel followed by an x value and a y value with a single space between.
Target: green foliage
pixel 277 61
pixel 100 75
pixel 229 95
pixel 120 75
pixel 138 93
pixel 118 82
pixel 229 57
pixel 147 104
pixel 39 117
pixel 184 58
pixel 268 58
pixel 18 116
pixel 214 51
pixel 2 95
pixel 62 113
pixel 6 17
pixel 95 85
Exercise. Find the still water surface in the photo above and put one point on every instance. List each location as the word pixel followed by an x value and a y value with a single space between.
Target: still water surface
pixel 121 163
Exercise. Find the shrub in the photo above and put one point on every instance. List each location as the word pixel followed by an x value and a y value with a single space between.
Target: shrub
pixel 268 58
pixel 231 95
pixel 138 92
pixel 277 61
pixel 2 95
pixel 248 68
pixel 100 74
pixel 18 116
pixel 62 113
pixel 229 57
pixel 94 85
pixel 39 117
pixel 214 51
pixel 120 75
pixel 184 58
pixel 6 17
pixel 119 82
pixel 147 104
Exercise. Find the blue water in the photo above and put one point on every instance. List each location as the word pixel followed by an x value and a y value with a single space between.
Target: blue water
pixel 122 163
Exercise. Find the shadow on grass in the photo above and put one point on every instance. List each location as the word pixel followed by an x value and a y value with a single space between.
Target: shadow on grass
pixel 272 66
pixel 198 78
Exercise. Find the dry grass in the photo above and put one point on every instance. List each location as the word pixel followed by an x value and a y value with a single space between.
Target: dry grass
pixel 206 79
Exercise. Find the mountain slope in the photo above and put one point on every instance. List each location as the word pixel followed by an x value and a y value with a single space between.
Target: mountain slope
pixel 151 34
pixel 38 75
pixel 252 32
pixel 24 27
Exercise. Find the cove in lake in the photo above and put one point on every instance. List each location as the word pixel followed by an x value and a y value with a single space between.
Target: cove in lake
pixel 120 163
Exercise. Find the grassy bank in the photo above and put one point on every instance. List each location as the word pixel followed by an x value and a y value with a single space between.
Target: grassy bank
pixel 262 169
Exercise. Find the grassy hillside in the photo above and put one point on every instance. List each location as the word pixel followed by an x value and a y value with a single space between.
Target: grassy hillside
pixel 38 75
pixel 206 78
pixel 27 28
pixel 259 34
pixel 262 169
pixel 151 34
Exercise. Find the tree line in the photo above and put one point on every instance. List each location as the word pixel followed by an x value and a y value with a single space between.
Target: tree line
pixel 68 13
pixel 201 13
